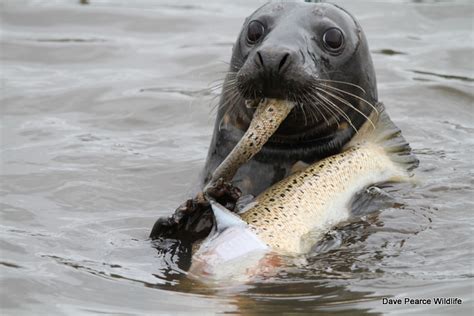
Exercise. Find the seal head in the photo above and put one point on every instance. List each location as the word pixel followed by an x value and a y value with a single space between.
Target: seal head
pixel 313 54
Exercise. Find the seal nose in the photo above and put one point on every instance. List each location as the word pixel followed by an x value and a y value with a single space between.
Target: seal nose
pixel 273 60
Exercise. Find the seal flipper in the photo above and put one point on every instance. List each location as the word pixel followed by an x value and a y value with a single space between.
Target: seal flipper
pixel 193 220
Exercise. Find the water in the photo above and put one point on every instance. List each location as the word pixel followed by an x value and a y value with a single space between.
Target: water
pixel 106 120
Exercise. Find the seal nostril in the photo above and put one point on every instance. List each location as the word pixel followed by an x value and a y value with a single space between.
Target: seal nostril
pixel 260 58
pixel 283 61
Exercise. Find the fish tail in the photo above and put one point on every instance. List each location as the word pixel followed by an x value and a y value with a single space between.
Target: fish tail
pixel 387 135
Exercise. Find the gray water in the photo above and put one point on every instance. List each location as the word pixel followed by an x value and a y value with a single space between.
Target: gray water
pixel 105 123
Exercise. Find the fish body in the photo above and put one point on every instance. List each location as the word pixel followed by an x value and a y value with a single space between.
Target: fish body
pixel 268 116
pixel 311 201
pixel 318 197
pixel 230 250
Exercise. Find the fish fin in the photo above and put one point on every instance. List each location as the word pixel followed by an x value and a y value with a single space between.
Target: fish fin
pixel 372 199
pixel 242 203
pixel 298 166
pixel 385 133
pixel 225 218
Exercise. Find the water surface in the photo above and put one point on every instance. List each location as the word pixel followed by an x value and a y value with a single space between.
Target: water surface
pixel 106 121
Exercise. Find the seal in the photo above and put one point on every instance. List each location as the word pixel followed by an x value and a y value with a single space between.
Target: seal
pixel 266 120
pixel 312 54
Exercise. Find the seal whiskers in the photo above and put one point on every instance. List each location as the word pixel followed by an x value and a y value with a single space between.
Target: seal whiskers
pixel 349 105
pixel 343 82
pixel 338 109
pixel 352 95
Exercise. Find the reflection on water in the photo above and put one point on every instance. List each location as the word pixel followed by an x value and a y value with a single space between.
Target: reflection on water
pixel 443 76
pixel 106 119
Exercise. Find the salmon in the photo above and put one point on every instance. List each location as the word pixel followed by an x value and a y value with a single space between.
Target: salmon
pixel 306 204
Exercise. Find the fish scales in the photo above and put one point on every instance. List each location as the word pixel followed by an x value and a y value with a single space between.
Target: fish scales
pixel 267 118
pixel 293 214
pixel 317 197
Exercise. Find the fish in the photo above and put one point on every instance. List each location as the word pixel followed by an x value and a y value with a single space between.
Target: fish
pixel 268 116
pixel 230 250
pixel 292 215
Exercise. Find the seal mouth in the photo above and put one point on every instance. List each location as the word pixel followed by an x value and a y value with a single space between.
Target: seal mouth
pixel 323 103
pixel 303 134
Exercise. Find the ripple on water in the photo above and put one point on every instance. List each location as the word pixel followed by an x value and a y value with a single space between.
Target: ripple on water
pixel 106 123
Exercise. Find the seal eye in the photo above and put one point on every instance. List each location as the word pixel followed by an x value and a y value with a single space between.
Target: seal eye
pixel 333 39
pixel 255 31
